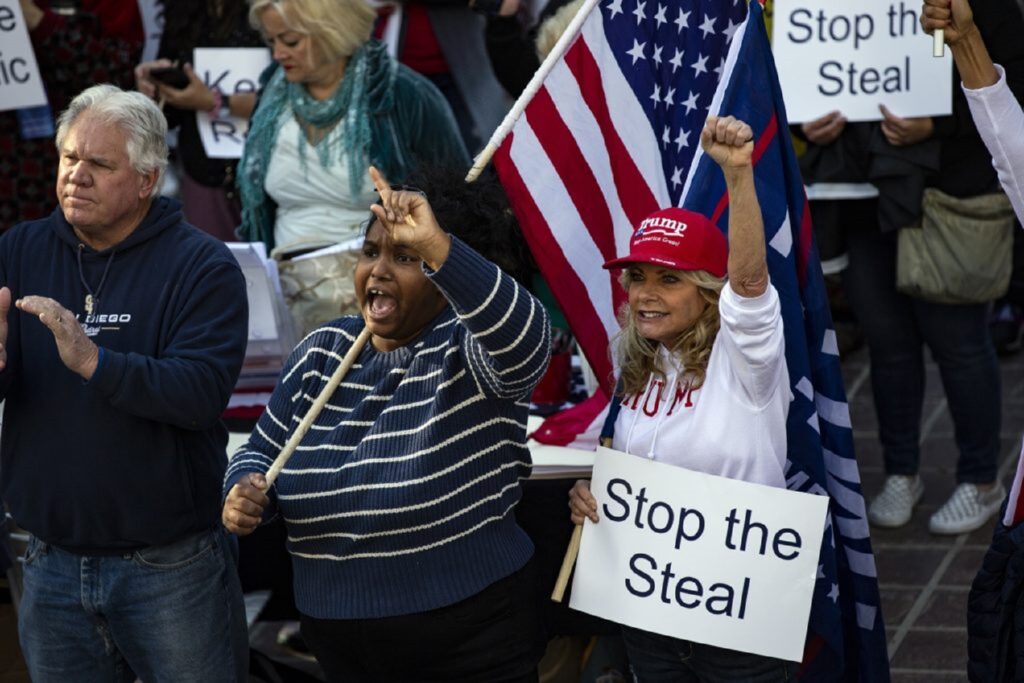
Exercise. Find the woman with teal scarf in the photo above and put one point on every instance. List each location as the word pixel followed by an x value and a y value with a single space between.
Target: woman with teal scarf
pixel 332 104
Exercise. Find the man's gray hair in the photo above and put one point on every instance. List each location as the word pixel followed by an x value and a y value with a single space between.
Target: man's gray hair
pixel 138 117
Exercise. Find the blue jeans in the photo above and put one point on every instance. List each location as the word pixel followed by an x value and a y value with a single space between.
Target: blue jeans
pixel 171 613
pixel 655 658
pixel 897 327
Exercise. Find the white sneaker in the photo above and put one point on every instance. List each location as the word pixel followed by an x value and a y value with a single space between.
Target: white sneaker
pixel 967 509
pixel 894 505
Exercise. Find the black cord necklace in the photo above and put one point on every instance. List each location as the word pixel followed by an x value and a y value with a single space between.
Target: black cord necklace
pixel 93 297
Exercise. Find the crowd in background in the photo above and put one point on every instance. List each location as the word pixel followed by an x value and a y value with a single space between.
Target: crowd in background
pixel 413 86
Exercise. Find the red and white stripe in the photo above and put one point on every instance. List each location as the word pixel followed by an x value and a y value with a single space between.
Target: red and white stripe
pixel 574 161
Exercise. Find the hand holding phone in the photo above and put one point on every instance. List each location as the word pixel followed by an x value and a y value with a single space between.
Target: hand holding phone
pixel 176 86
pixel 173 76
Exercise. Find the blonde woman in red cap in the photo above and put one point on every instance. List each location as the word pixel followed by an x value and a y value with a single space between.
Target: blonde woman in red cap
pixel 702 379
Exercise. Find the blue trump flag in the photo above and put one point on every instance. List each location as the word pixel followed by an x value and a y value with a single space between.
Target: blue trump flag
pixel 846 635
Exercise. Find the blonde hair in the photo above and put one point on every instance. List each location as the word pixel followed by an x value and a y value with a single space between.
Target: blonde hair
pixel 638 357
pixel 554 26
pixel 336 27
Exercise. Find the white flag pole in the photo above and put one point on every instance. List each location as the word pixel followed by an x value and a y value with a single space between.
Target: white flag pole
pixel 938 43
pixel 531 89
pixel 318 405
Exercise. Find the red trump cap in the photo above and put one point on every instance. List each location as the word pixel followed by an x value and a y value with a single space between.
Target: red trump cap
pixel 680 239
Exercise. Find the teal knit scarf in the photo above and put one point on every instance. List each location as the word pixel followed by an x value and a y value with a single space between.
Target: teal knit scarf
pixel 348 107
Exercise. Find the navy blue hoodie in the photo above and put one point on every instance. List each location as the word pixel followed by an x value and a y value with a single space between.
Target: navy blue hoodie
pixel 135 456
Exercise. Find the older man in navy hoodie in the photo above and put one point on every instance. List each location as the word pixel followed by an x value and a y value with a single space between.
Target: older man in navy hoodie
pixel 127 336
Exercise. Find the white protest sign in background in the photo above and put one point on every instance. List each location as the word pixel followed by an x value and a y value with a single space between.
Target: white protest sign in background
pixel 20 84
pixel 152 12
pixel 700 557
pixel 852 55
pixel 231 70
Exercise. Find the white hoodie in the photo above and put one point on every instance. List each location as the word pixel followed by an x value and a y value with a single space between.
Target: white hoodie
pixel 735 424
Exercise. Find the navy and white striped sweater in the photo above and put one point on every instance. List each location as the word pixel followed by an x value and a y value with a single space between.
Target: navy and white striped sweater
pixel 400 498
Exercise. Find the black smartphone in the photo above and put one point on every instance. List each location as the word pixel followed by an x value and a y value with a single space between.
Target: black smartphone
pixel 173 76
pixel 488 8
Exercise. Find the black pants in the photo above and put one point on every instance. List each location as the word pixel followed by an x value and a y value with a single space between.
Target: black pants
pixel 494 636
pixel 897 328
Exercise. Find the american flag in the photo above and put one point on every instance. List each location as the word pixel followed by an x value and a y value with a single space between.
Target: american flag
pixel 612 136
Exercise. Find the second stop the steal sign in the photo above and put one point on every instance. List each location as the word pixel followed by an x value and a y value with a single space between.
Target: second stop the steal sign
pixel 853 55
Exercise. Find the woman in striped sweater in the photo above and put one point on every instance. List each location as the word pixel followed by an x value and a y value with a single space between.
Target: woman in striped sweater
pixel 399 502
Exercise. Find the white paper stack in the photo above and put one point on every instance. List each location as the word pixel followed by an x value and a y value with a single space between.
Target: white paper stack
pixel 271 331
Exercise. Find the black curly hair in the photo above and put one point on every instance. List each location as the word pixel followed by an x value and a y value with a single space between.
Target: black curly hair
pixel 477 213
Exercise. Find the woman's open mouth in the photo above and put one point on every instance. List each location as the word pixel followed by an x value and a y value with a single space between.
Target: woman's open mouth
pixel 379 304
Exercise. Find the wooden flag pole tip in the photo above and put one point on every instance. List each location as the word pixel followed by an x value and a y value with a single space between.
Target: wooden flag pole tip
pixel 567 563
pixel 481 161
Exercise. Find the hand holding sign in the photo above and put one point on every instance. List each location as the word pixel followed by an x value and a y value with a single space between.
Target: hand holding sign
pixel 582 504
pixel 901 132
pixel 824 130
